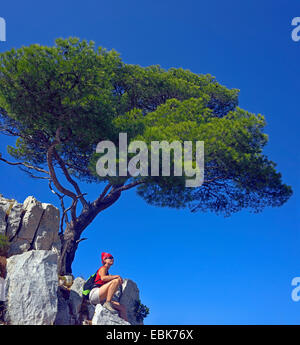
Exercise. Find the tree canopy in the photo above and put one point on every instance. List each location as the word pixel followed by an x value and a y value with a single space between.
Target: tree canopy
pixel 61 101
pixel 92 95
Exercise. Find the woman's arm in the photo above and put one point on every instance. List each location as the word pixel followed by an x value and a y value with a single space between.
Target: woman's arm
pixel 105 277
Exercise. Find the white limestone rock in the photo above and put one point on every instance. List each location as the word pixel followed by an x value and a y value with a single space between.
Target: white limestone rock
pixel 47 231
pixel 31 288
pixel 4 207
pixel 14 219
pixel 75 298
pixel 33 213
pixel 103 316
pixel 129 296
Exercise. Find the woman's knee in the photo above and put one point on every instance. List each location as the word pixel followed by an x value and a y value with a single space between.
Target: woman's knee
pixel 117 281
pixel 112 282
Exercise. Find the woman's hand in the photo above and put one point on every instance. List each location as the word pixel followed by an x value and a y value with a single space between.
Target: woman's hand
pixel 118 277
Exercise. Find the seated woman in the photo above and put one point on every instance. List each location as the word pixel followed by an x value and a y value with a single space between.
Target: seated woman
pixel 105 287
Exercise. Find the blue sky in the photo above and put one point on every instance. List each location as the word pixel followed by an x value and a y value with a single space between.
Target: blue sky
pixel 190 268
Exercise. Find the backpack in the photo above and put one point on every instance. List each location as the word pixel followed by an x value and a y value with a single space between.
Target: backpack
pixel 89 285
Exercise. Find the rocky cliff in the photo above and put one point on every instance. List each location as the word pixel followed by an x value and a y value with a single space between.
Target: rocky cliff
pixel 29 226
pixel 34 293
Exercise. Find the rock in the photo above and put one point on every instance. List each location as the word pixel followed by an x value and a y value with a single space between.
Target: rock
pixel 2 289
pixel 14 219
pixel 4 207
pixel 47 232
pixel 103 316
pixel 18 246
pixel 31 225
pixel 32 292
pixel 91 311
pixel 32 216
pixel 31 288
pixel 56 248
pixel 63 316
pixel 75 298
pixel 129 296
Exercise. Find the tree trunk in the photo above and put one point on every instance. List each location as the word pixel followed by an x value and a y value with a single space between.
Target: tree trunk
pixel 68 250
pixel 74 229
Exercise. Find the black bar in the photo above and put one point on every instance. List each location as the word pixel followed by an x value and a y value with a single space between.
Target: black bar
pixel 151 334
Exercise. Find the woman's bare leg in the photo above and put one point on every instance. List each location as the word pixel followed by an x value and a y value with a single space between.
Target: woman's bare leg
pixel 107 290
pixel 112 289
pixel 103 291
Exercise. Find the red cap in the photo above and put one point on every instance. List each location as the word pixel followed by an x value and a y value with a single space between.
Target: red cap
pixel 104 256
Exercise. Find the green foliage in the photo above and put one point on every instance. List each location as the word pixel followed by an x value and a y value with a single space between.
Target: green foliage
pixel 141 311
pixel 69 85
pixel 93 96
pixel 241 176
pixel 4 245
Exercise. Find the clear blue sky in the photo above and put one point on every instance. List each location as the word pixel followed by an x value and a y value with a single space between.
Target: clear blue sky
pixel 190 268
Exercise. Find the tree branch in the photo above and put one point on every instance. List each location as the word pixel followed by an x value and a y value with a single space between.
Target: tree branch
pixel 64 214
pixel 128 186
pixel 59 187
pixel 68 177
pixel 214 179
pixel 104 191
pixel 25 164
pixel 9 132
pixel 34 176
